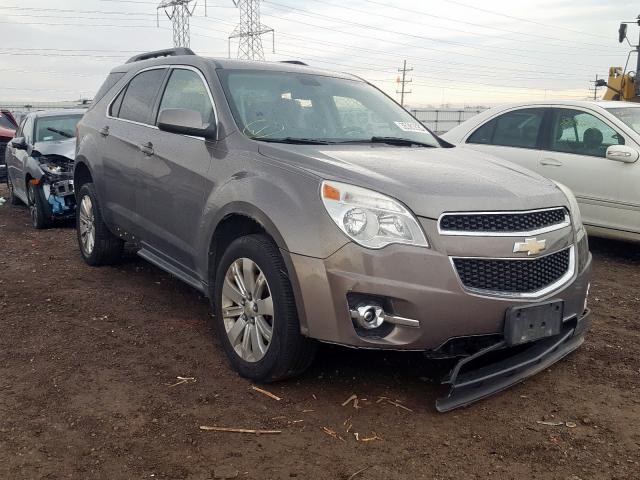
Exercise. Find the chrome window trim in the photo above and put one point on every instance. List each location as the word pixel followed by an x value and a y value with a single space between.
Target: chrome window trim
pixel 566 278
pixel 516 233
pixel 170 67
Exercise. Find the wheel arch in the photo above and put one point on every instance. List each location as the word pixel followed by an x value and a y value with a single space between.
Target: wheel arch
pixel 81 174
pixel 238 219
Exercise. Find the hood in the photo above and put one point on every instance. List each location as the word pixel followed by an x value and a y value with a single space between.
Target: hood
pixel 7 132
pixel 429 181
pixel 64 148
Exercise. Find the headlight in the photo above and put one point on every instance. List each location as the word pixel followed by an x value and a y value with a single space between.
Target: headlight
pixel 369 218
pixel 573 204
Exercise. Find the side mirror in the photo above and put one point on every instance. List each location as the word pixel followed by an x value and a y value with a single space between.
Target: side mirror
pixel 622 32
pixel 19 143
pixel 622 153
pixel 185 122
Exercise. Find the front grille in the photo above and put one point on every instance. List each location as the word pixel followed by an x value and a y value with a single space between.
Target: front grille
pixel 503 222
pixel 516 275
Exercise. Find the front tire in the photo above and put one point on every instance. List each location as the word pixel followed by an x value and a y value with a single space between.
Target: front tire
pixel 98 245
pixel 255 312
pixel 38 207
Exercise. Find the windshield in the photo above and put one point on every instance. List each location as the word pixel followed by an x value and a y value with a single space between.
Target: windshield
pixel 629 115
pixel 51 129
pixel 5 122
pixel 286 106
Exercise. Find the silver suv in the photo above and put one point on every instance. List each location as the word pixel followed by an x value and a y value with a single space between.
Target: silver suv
pixel 308 205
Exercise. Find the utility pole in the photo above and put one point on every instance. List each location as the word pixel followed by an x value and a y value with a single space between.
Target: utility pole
pixel 178 12
pixel 249 31
pixel 403 82
pixel 597 83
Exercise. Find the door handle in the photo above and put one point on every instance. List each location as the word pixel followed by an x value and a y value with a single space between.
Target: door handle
pixel 104 131
pixel 146 148
pixel 552 162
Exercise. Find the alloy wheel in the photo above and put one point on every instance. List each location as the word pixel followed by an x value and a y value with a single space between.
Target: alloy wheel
pixel 247 309
pixel 87 225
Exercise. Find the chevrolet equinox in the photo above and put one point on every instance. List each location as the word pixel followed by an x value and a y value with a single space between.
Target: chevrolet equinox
pixel 309 206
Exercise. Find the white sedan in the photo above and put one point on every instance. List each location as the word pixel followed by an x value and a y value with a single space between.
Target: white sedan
pixel 592 147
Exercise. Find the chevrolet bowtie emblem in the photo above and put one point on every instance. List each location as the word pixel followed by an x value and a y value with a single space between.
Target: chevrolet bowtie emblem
pixel 532 246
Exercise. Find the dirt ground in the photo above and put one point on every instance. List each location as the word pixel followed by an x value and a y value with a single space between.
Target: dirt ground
pixel 89 359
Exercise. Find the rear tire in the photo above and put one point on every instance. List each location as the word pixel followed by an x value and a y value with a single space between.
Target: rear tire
pixel 265 313
pixel 38 207
pixel 98 245
pixel 13 199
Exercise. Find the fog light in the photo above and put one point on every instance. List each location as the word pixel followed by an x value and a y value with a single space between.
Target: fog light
pixel 368 316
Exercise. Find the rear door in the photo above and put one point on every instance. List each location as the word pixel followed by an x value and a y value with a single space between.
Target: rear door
pixel 575 154
pixel 173 174
pixel 514 135
pixel 128 122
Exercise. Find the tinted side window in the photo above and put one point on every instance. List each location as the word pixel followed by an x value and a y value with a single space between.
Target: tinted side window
pixel 484 134
pixel 141 92
pixel 186 90
pixel 518 128
pixel 575 131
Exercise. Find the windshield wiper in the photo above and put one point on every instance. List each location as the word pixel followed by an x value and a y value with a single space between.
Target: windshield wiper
pixel 60 132
pixel 399 141
pixel 390 141
pixel 293 140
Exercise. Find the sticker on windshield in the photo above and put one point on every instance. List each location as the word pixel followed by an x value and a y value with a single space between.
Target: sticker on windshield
pixel 411 126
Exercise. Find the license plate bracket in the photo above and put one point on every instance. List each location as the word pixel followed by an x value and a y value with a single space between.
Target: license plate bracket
pixel 528 323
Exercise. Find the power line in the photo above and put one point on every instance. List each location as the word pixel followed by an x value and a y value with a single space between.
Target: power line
pixel 493 48
pixel 520 19
pixel 456 21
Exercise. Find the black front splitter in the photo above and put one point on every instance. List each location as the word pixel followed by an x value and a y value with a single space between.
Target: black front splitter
pixel 476 384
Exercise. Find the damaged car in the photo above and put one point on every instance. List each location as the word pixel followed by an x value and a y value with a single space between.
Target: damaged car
pixel 8 126
pixel 40 161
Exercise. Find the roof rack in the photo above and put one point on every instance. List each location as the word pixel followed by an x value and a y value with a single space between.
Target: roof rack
pixel 169 52
pixel 294 62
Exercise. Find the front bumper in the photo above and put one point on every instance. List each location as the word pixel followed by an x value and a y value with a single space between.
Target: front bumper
pixel 419 284
pixel 513 365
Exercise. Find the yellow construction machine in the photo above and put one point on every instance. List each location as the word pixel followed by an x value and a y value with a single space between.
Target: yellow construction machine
pixel 622 84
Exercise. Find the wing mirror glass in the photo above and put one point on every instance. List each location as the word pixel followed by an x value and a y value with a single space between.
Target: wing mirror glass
pixel 185 122
pixel 19 143
pixel 622 153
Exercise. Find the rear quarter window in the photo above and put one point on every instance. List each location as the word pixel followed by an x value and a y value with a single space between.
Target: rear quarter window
pixel 110 81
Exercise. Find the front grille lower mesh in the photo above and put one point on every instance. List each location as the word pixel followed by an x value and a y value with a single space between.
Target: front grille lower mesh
pixel 512 276
pixel 503 222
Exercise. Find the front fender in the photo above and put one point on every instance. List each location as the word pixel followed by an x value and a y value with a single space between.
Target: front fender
pixel 285 202
pixel 32 169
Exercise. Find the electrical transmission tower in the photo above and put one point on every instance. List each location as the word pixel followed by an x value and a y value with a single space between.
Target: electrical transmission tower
pixel 403 82
pixel 178 12
pixel 249 31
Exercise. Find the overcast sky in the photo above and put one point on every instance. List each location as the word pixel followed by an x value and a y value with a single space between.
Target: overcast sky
pixel 462 52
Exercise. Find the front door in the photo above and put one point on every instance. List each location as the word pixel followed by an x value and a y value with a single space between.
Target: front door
pixel 173 174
